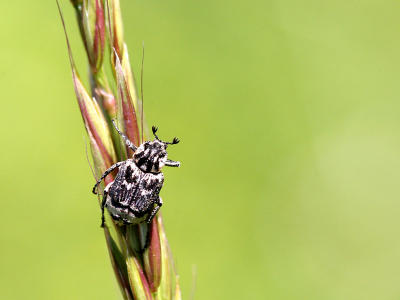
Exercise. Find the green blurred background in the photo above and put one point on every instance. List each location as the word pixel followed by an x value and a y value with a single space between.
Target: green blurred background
pixel 289 116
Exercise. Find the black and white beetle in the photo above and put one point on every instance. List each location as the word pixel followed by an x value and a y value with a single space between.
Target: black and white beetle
pixel 133 197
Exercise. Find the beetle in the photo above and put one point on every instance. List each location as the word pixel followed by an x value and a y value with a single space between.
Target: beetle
pixel 133 196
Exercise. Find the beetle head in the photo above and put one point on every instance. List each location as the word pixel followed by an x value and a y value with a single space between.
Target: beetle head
pixel 151 156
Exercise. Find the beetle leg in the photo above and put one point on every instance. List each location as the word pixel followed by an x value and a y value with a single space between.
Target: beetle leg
pixel 171 163
pixel 155 210
pixel 159 203
pixel 114 166
pixel 125 138
pixel 103 204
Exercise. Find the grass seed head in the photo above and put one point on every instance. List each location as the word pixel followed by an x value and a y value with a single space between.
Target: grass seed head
pixel 139 254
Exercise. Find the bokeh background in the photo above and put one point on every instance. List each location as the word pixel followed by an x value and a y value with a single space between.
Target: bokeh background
pixel 289 116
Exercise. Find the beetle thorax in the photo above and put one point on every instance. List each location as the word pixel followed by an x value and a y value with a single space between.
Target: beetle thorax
pixel 151 156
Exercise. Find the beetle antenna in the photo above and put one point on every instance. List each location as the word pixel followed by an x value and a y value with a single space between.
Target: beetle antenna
pixel 174 141
pixel 154 129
